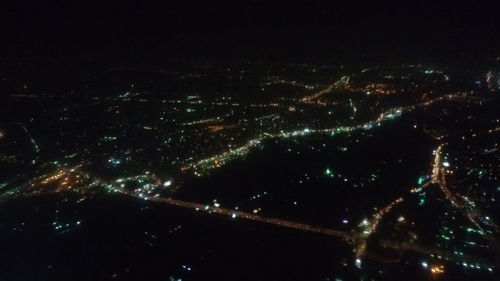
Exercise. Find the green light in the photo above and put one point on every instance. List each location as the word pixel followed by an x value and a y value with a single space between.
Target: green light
pixel 329 172
pixel 126 94
pixel 422 201
pixel 420 180
pixel 475 230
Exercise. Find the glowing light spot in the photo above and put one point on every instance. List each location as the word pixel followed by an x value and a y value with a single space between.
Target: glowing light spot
pixel 357 262
pixel 420 180
pixel 437 269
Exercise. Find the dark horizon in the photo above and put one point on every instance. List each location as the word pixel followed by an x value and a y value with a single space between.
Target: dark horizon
pixel 256 29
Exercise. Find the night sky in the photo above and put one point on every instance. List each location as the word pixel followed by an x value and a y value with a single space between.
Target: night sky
pixel 282 30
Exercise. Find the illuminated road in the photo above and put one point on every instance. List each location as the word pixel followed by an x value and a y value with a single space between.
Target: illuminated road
pixel 198 167
pixel 404 246
pixel 344 235
pixel 469 210
pixel 68 179
pixel 349 237
pixel 370 226
pixel 437 174
pixel 319 94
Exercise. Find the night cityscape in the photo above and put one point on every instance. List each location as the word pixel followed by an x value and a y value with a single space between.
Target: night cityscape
pixel 250 141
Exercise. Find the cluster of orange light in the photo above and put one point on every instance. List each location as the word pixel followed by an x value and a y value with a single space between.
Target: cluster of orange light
pixel 68 182
pixel 437 269
pixel 380 88
pixel 216 128
pixel 57 176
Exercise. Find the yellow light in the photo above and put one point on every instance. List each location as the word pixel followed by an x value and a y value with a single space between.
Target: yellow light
pixel 437 269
